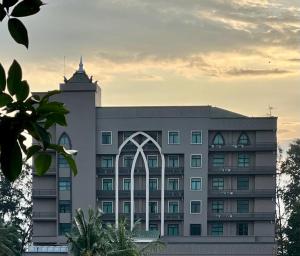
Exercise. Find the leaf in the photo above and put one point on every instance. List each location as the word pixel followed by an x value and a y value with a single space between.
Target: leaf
pixel 2 78
pixel 2 12
pixel 18 31
pixel 54 106
pixel 32 150
pixel 43 135
pixel 49 94
pixel 14 78
pixel 11 160
pixel 23 91
pixel 55 119
pixel 9 3
pixel 5 99
pixel 27 8
pixel 42 163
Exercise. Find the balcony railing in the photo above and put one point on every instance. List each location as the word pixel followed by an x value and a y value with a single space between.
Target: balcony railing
pixel 51 171
pixel 259 146
pixel 236 193
pixel 140 194
pixel 46 193
pixel 44 216
pixel 250 170
pixel 125 171
pixel 142 216
pixel 235 216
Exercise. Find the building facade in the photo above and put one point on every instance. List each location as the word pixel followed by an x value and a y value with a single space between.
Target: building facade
pixel 199 175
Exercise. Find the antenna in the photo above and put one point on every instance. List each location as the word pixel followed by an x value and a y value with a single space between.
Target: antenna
pixel 64 66
pixel 270 110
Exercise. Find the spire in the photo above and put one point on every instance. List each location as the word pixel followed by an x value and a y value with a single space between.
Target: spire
pixel 80 70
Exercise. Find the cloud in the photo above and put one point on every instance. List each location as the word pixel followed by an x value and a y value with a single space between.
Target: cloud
pixel 294 60
pixel 256 72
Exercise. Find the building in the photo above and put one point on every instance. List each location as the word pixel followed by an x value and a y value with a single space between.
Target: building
pixel 202 176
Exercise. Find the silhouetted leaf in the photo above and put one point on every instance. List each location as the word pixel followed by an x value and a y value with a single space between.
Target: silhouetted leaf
pixel 32 150
pixel 23 92
pixel 49 94
pixel 42 134
pixel 14 78
pixel 9 3
pixel 2 12
pixel 55 119
pixel 18 31
pixel 53 106
pixel 2 78
pixel 26 8
pixel 42 163
pixel 11 160
pixel 5 99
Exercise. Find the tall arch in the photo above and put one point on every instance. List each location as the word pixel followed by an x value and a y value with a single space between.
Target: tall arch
pixel 140 150
pixel 64 140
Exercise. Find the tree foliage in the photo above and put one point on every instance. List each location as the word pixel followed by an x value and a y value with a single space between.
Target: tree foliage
pixel 16 205
pixel 20 112
pixel 9 240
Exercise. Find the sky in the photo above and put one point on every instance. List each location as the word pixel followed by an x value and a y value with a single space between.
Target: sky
pixel 241 55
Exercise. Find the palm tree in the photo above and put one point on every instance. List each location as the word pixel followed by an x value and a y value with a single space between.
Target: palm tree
pixel 88 237
pixel 9 241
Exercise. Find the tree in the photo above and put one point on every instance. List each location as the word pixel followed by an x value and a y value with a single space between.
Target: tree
pixel 20 112
pixel 290 195
pixel 16 205
pixel 9 240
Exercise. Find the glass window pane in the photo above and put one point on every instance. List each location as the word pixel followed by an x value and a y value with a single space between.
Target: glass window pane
pixel 218 139
pixel 153 184
pixel 196 161
pixel 243 139
pixel 242 183
pixel 126 184
pixel 217 229
pixel 153 226
pixel 218 183
pixel 152 161
pixel 242 229
pixel 107 184
pixel 218 160
pixel 64 228
pixel 107 161
pixel 242 206
pixel 195 229
pixel 196 137
pixel 173 161
pixel 173 184
pixel 127 161
pixel 153 207
pixel 243 160
pixel 64 185
pixel 173 207
pixel 107 207
pixel 173 138
pixel 196 184
pixel 64 206
pixel 217 206
pixel 195 206
pixel 126 207
pixel 106 138
pixel 173 229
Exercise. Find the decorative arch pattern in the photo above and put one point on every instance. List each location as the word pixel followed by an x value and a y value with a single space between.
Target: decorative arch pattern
pixel 138 152
pixel 218 139
pixel 243 139
pixel 64 140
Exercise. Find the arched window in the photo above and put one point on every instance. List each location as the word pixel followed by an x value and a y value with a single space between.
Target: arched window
pixel 243 139
pixel 65 141
pixel 218 139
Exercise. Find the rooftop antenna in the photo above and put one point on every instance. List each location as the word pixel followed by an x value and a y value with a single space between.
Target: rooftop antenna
pixel 270 110
pixel 81 70
pixel 64 66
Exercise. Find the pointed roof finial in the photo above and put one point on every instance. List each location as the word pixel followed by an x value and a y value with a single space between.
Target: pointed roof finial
pixel 81 70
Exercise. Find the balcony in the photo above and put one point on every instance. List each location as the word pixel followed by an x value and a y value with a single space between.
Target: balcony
pixel 139 194
pixel 260 146
pixel 139 171
pixel 234 216
pixel 44 216
pixel 43 193
pixel 142 216
pixel 236 170
pixel 234 193
pixel 146 148
pixel 50 172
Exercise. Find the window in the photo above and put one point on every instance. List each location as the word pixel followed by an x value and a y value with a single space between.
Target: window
pixel 195 229
pixel 106 138
pixel 173 184
pixel 195 207
pixel 196 137
pixel 65 141
pixel 242 229
pixel 152 161
pixel 196 161
pixel 107 184
pixel 196 184
pixel 218 160
pixel 153 226
pixel 173 161
pixel 243 160
pixel 127 161
pixel 173 207
pixel 64 206
pixel 173 229
pixel 218 183
pixel 64 185
pixel 242 183
pixel 153 184
pixel 153 207
pixel 126 207
pixel 173 137
pixel 217 206
pixel 217 229
pixel 107 207
pixel 126 184
pixel 218 139
pixel 242 206
pixel 64 228
pixel 62 162
pixel 243 139
pixel 107 161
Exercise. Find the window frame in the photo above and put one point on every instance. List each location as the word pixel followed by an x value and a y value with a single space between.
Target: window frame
pixel 124 159
pixel 112 161
pixel 238 229
pixel 218 233
pixel 201 160
pixel 112 184
pixel 156 156
pixel 239 139
pixel 191 206
pixel 125 202
pixel 112 207
pixel 212 183
pixel 218 134
pixel 238 206
pixel 178 180
pixel 157 210
pixel 198 224
pixel 169 161
pixel 177 227
pixel 217 210
pixel 201 137
pixel 201 183
pixel 178 137
pixel 172 201
pixel 124 184
pixel 67 181
pixel 218 164
pixel 111 138
pixel 157 186
pixel 243 164
pixel 238 187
